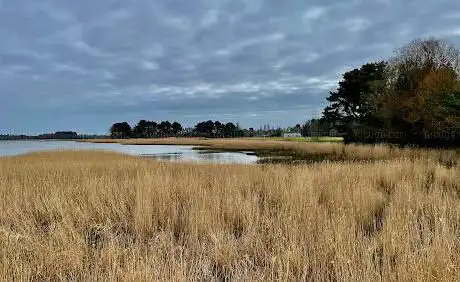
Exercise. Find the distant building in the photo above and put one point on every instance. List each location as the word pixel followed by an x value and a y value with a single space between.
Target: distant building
pixel 295 134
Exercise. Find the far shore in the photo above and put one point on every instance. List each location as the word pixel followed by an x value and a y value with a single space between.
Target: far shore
pixel 207 141
pixel 295 151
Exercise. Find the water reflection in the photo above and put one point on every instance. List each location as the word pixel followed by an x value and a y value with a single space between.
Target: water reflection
pixel 209 157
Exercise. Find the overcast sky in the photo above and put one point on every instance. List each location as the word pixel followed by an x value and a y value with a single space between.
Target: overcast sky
pixel 84 64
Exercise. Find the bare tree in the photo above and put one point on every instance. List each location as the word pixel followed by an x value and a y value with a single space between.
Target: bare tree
pixel 425 55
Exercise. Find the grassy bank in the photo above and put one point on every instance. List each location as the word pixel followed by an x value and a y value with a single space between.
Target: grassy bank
pixel 88 216
pixel 295 151
pixel 303 139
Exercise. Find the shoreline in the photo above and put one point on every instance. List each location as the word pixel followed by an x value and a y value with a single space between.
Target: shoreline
pixel 281 151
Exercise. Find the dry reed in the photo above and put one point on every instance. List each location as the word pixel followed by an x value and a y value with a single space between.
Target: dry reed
pixel 309 151
pixel 106 216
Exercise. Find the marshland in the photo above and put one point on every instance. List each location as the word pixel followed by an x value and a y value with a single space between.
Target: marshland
pixel 366 190
pixel 88 215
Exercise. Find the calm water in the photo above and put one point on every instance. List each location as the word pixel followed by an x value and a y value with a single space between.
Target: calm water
pixel 164 152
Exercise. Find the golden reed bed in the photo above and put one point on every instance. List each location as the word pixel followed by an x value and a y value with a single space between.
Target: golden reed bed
pixel 106 216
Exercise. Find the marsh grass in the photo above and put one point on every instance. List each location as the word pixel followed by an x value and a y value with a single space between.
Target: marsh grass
pixel 302 152
pixel 303 139
pixel 106 216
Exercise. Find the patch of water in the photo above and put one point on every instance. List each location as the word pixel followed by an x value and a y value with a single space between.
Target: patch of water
pixel 177 153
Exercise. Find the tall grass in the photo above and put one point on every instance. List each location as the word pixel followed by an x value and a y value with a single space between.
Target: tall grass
pixel 106 216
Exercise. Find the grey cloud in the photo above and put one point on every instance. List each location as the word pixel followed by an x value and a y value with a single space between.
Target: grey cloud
pixel 251 61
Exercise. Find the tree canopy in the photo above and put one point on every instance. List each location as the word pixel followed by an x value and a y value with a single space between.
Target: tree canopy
pixel 412 98
pixel 217 129
pixel 146 129
pixel 350 102
pixel 121 130
pixel 152 129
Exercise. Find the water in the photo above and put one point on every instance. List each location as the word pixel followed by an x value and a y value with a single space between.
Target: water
pixel 164 152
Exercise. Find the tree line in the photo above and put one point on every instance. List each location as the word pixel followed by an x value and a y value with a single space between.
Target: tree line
pixel 64 135
pixel 217 129
pixel 412 98
pixel 145 129
pixel 152 129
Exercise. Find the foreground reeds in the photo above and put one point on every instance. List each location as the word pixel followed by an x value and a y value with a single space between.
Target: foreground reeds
pixel 94 215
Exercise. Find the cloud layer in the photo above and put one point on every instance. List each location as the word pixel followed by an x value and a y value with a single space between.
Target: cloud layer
pixel 85 64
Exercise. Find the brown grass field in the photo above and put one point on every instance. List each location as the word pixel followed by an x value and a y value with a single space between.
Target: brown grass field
pixel 106 216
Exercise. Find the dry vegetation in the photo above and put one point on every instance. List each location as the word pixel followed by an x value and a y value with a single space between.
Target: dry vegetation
pixel 301 151
pixel 95 215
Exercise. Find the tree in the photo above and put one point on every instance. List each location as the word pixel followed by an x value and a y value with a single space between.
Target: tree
pixel 276 133
pixel 230 129
pixel 298 128
pixel 205 127
pixel 148 129
pixel 65 135
pixel 451 103
pixel 121 130
pixel 165 128
pixel 176 128
pixel 140 130
pixel 218 128
pixel 349 103
pixel 316 127
pixel 151 129
pixel 420 91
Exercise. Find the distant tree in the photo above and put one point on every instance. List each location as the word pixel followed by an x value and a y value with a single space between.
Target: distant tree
pixel 176 128
pixel 65 135
pixel 316 127
pixel 218 128
pixel 121 130
pixel 151 129
pixel 277 133
pixel 140 130
pixel 165 128
pixel 205 128
pixel 230 129
pixel 349 103
pixel 298 128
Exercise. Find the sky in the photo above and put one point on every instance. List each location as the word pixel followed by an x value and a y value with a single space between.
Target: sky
pixel 83 65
